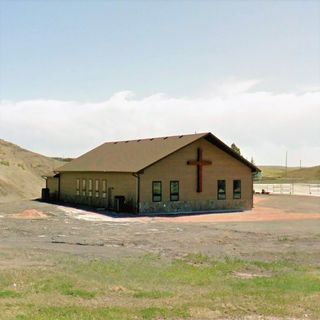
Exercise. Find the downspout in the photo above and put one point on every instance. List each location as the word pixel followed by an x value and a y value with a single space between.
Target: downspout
pixel 138 195
pixel 59 186
pixel 136 175
pixel 252 189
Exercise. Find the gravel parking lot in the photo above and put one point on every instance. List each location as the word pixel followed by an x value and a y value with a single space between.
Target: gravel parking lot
pixel 252 234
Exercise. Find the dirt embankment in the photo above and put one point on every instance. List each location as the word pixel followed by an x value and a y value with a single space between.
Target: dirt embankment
pixel 21 171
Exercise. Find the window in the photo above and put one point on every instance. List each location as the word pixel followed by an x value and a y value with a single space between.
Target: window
pixel 78 187
pixel 156 191
pixel 221 189
pixel 174 190
pixel 97 188
pixel 236 189
pixel 90 187
pixel 104 188
pixel 84 186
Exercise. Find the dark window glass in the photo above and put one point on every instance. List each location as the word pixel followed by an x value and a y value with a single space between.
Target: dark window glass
pixel 174 190
pixel 78 187
pixel 84 186
pixel 156 191
pixel 236 189
pixel 221 189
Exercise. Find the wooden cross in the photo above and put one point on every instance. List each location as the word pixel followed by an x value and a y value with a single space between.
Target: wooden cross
pixel 199 163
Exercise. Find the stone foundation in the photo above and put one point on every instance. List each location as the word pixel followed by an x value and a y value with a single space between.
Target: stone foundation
pixel 194 206
pixel 166 206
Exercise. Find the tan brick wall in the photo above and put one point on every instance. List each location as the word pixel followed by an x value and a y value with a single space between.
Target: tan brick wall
pixel 122 184
pixel 174 167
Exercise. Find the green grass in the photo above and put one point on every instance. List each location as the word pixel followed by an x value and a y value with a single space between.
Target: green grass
pixel 113 313
pixel 279 174
pixel 9 294
pixel 62 286
pixel 156 294
pixel 283 238
pixel 152 287
pixel 5 163
pixel 163 313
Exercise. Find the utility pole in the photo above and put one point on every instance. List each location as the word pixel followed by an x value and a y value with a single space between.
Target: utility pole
pixel 286 163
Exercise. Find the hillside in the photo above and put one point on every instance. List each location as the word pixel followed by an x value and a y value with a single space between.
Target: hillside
pixel 21 171
pixel 294 174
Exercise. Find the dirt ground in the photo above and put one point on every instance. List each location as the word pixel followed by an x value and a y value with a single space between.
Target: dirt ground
pixel 266 208
pixel 279 227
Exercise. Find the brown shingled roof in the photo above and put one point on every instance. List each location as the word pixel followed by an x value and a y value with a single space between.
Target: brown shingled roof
pixel 135 155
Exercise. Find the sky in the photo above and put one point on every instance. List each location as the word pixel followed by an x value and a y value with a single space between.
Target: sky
pixel 74 74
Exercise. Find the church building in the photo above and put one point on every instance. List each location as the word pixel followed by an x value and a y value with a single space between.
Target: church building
pixel 186 173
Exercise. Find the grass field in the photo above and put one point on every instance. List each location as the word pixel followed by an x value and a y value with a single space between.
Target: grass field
pixel 292 174
pixel 153 287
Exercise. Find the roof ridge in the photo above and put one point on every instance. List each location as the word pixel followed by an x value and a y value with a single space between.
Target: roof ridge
pixel 154 138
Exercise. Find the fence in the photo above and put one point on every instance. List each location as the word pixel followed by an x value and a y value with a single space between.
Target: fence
pixel 312 189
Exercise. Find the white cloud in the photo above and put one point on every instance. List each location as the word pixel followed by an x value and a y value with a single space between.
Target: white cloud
pixel 233 86
pixel 263 124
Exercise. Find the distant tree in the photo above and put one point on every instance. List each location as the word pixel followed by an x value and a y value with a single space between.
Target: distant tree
pixel 235 148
